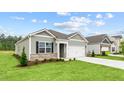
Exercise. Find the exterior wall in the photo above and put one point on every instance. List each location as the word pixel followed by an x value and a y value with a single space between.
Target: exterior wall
pixel 76 45
pixel 43 56
pixel 94 47
pixel 113 45
pixel 19 47
pixel 117 44
pixel 42 39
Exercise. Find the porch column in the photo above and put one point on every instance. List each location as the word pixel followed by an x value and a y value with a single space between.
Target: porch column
pixel 29 47
pixel 67 50
pixel 58 50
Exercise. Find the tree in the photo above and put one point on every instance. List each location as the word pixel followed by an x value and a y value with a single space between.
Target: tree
pixel 23 60
pixel 8 42
pixel 122 47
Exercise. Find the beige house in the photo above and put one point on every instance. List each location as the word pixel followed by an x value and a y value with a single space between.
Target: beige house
pixel 115 47
pixel 46 43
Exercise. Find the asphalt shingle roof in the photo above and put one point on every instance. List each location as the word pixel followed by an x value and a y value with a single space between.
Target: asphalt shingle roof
pixel 58 35
pixel 96 38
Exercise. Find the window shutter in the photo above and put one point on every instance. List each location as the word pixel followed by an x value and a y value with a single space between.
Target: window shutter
pixel 52 47
pixel 36 46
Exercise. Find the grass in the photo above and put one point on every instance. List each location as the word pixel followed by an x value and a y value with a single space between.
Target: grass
pixel 111 57
pixel 75 70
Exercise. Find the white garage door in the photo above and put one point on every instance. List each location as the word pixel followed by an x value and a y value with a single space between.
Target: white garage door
pixel 76 51
pixel 105 49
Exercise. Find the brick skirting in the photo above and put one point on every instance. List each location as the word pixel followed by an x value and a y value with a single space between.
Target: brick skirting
pixel 43 56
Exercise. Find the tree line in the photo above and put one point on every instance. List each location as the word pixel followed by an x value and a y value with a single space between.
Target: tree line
pixel 8 42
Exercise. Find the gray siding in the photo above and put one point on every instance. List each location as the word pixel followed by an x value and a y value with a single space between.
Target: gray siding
pixel 76 43
pixel 36 38
pixel 19 47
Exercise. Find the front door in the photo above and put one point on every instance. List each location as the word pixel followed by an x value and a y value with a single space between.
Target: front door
pixel 62 50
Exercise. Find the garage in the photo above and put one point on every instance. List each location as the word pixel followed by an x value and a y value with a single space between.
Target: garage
pixel 76 50
pixel 105 49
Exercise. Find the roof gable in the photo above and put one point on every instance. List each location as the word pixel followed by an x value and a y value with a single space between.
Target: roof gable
pixel 44 33
pixel 95 39
pixel 106 41
pixel 77 37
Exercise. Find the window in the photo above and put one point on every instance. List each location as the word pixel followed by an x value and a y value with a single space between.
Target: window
pixel 113 49
pixel 48 47
pixel 41 47
pixel 44 47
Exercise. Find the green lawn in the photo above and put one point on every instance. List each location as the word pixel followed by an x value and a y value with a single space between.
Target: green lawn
pixel 111 57
pixel 74 70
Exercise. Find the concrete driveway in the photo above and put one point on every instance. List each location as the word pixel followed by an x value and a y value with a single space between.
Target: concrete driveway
pixel 106 62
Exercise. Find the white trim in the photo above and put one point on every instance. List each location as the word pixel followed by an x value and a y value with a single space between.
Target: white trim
pixel 72 35
pixel 45 46
pixel 107 40
pixel 29 47
pixel 76 40
pixel 43 36
pixel 50 33
pixel 42 31
pixel 78 33
pixel 67 50
pixel 58 50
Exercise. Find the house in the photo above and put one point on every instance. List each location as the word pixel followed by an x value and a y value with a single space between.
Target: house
pixel 47 43
pixel 115 47
pixel 98 44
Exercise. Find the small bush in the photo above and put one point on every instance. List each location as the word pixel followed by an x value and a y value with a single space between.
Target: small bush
pixel 45 60
pixel 70 59
pixel 93 54
pixel 36 61
pixel 74 59
pixel 103 53
pixel 23 59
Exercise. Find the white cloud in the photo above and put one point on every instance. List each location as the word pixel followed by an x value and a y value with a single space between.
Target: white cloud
pixel 39 21
pixel 17 18
pixel 109 15
pixel 74 24
pixel 99 23
pixel 6 31
pixel 64 13
pixel 99 16
pixel 34 20
pixel 44 21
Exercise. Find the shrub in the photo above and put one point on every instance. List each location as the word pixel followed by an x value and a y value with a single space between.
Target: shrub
pixel 74 59
pixel 103 53
pixel 36 61
pixel 23 59
pixel 93 54
pixel 70 59
pixel 45 60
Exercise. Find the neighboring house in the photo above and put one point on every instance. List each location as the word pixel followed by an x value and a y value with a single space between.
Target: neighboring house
pixel 115 47
pixel 98 44
pixel 45 44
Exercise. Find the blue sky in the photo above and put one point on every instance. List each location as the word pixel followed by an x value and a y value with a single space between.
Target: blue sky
pixel 88 23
